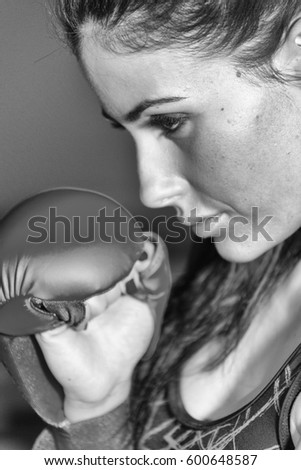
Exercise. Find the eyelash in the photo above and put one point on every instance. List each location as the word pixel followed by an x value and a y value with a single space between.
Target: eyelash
pixel 162 122
pixel 165 122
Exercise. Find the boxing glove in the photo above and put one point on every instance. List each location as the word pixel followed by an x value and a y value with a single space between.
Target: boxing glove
pixel 58 249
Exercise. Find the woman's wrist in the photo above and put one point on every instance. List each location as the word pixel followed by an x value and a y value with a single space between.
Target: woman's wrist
pixel 78 410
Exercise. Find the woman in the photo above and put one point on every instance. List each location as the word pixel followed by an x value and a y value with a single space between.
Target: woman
pixel 210 93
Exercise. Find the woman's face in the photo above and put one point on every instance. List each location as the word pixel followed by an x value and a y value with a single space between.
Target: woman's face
pixel 209 142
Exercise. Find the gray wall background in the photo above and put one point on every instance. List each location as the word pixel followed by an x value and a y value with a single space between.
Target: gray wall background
pixel 52 131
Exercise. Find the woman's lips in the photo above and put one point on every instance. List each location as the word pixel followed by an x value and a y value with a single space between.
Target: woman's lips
pixel 209 226
pixel 212 224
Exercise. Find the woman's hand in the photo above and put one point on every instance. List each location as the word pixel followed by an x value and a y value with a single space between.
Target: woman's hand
pixel 94 366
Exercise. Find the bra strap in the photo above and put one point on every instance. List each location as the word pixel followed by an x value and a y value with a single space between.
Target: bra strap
pixel 285 439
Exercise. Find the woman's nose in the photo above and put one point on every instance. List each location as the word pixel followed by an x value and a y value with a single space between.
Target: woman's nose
pixel 161 182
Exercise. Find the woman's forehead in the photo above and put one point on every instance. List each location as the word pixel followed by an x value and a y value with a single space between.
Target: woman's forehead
pixel 148 75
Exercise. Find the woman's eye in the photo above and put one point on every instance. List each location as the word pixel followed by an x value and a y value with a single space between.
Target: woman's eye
pixel 168 124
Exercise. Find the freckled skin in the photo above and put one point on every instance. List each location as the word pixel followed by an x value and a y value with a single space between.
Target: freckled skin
pixel 240 147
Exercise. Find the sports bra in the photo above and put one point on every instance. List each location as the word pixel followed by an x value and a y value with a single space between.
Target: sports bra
pixel 263 423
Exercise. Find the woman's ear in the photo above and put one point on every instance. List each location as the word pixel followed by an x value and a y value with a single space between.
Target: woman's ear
pixel 287 59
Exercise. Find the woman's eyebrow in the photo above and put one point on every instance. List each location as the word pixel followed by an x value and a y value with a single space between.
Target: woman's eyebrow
pixel 135 113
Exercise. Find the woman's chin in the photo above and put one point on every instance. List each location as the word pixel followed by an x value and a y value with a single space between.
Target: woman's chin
pixel 242 252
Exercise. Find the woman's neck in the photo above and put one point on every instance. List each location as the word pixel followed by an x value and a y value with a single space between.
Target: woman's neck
pixel 273 335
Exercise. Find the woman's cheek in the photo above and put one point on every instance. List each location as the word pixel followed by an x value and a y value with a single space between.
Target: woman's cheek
pixel 216 164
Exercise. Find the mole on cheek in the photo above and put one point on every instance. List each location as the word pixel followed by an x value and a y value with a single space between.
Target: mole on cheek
pixel 257 120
